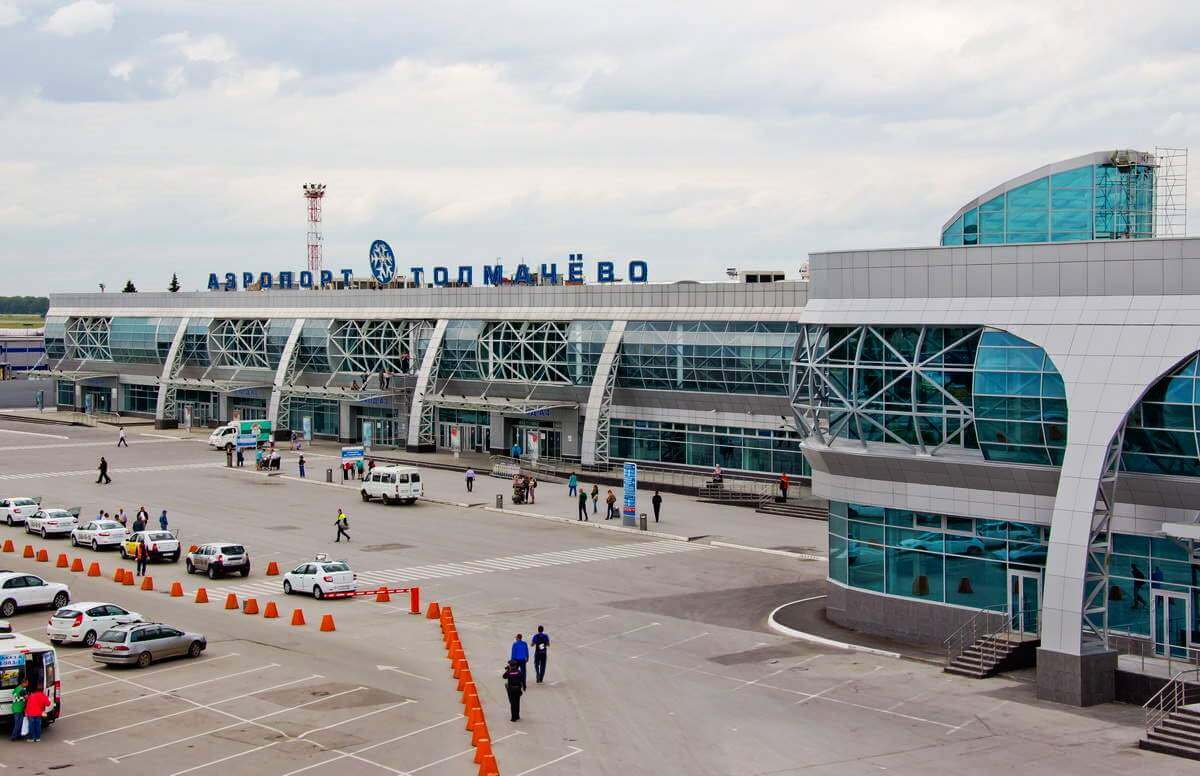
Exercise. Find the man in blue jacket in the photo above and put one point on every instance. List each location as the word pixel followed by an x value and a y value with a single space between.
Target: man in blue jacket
pixel 541 648
pixel 520 654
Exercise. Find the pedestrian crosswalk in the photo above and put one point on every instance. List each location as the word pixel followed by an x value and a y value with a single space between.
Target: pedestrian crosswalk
pixel 402 577
pixel 123 470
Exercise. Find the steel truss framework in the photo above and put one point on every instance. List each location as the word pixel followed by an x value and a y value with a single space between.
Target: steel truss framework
pixel 525 351
pixel 832 399
pixel 166 406
pixel 374 346
pixel 597 420
pixel 1099 548
pixel 87 339
pixel 239 343
pixel 279 411
pixel 421 426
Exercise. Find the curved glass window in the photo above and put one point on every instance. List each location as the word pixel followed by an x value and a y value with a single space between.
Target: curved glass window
pixel 1020 402
pixel 87 339
pixel 1092 202
pixel 141 340
pixel 931 389
pixel 56 337
pixel 1162 430
pixel 745 357
pixel 776 451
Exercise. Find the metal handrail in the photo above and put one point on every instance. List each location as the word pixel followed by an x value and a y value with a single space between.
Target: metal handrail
pixel 1173 694
pixel 967 633
pixel 988 636
pixel 1142 648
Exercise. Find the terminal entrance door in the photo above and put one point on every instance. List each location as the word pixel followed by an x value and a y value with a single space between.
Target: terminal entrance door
pixel 1024 601
pixel 1170 616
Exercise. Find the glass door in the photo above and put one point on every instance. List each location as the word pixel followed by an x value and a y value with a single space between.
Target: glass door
pixel 1024 600
pixel 1171 617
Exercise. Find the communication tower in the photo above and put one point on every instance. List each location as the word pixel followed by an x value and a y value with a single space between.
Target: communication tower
pixel 314 193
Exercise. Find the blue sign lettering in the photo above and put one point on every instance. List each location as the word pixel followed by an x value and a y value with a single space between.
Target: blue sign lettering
pixel 213 285
pixel 604 272
pixel 441 276
pixel 347 274
pixel 574 271
pixel 264 280
pixel 493 276
pixel 230 281
pixel 522 277
pixel 247 279
pixel 550 275
pixel 638 271
pixel 285 279
pixel 416 273
pixel 305 279
pixel 464 276
pixel 326 278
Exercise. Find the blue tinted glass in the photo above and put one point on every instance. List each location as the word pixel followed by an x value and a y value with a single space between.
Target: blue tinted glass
pixel 1072 220
pixel 1028 220
pixel 1030 196
pixel 1080 177
pixel 993 205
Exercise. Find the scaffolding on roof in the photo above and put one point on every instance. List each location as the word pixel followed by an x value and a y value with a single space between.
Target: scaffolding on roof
pixel 1170 192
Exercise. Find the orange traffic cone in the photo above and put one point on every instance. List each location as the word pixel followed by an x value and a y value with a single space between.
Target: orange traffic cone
pixel 250 606
pixel 474 717
pixel 434 612
pixel 176 590
pixel 201 596
pixel 483 745
pixel 94 569
pixel 8 546
pixel 231 602
pixel 28 551
pixel 272 569
pixel 271 611
pixel 297 617
pixel 119 575
pixel 382 597
pixel 488 767
pixel 62 562
pixel 43 556
pixel 464 678
pixel 129 578
pixel 77 565
pixel 147 583
pixel 327 623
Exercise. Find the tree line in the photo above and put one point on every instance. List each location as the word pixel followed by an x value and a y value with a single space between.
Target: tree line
pixel 24 305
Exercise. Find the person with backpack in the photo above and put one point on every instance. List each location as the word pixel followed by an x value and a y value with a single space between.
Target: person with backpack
pixel 512 684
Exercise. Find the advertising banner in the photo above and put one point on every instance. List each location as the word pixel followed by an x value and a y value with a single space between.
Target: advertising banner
pixel 629 505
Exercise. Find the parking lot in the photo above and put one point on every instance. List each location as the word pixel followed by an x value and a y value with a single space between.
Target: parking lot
pixel 660 659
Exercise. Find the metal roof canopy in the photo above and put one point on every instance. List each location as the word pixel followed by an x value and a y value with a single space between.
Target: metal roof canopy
pixel 501 404
pixel 228 386
pixel 75 375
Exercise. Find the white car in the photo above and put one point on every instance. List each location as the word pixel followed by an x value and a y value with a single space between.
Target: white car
pixel 17 510
pixel 320 578
pixel 84 621
pixel 52 521
pixel 161 545
pixel 22 591
pixel 99 533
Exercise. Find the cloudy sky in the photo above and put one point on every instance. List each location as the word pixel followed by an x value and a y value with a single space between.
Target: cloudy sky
pixel 142 138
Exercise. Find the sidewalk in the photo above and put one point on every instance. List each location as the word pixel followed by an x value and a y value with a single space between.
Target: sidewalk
pixel 683 516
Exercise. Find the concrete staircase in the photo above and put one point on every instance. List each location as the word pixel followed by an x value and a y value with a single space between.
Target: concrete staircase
pixel 992 655
pixel 1178 733
pixel 807 511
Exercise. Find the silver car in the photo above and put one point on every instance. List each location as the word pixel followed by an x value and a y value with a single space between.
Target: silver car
pixel 217 558
pixel 141 644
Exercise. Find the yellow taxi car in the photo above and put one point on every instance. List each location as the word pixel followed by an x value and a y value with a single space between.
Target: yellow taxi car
pixel 161 545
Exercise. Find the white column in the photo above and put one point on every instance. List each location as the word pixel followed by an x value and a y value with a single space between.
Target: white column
pixel 282 372
pixel 595 418
pixel 424 386
pixel 169 371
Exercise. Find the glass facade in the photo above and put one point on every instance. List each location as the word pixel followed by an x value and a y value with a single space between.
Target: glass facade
pixel 56 337
pixel 65 393
pixel 326 416
pixel 759 450
pixel 1092 202
pixel 1020 402
pixel 1162 431
pixel 709 356
pixel 141 340
pixel 931 388
pixel 932 557
pixel 139 398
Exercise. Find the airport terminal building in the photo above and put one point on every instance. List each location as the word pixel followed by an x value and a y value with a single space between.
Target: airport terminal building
pixel 678 375
pixel 1005 425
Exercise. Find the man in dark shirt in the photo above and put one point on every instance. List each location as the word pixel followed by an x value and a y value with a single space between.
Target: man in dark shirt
pixel 657 503
pixel 520 656
pixel 541 648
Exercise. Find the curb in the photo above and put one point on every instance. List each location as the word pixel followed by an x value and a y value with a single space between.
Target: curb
pixel 821 640
pixel 785 553
pixel 600 526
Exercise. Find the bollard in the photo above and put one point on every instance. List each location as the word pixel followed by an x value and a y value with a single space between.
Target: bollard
pixel 229 458
pixel 642 521
pixel 329 475
pixel 414 601
pixel 499 501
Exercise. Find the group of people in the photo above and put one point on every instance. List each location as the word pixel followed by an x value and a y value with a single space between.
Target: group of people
pixel 140 521
pixel 385 377
pixel 29 707
pixel 356 470
pixel 514 674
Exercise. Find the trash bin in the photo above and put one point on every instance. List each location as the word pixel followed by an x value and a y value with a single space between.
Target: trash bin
pixel 329 475
pixel 499 501
pixel 229 458
pixel 642 521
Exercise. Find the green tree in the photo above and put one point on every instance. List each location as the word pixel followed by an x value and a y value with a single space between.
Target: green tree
pixel 174 283
pixel 129 288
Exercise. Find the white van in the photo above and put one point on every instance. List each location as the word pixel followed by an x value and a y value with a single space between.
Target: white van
pixel 24 658
pixel 393 484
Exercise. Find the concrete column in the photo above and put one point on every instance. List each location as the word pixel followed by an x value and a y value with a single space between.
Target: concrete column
pixel 169 371
pixel 595 418
pixel 420 411
pixel 345 432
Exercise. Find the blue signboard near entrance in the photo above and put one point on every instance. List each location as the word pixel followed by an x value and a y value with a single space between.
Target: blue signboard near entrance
pixel 629 507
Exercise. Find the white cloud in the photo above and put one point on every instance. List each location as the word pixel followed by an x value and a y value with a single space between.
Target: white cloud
pixel 206 48
pixel 80 18
pixel 123 69
pixel 9 15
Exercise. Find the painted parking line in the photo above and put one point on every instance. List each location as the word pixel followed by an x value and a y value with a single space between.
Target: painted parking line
pixel 837 686
pixel 160 717
pixel 74 444
pixel 32 433
pixel 619 635
pixel 302 737
pixel 673 644
pixel 776 673
pixel 574 751
pixel 369 579
pixel 156 693
pixel 456 755
pixel 144 674
pixel 240 722
pixel 78 669
pixel 342 755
